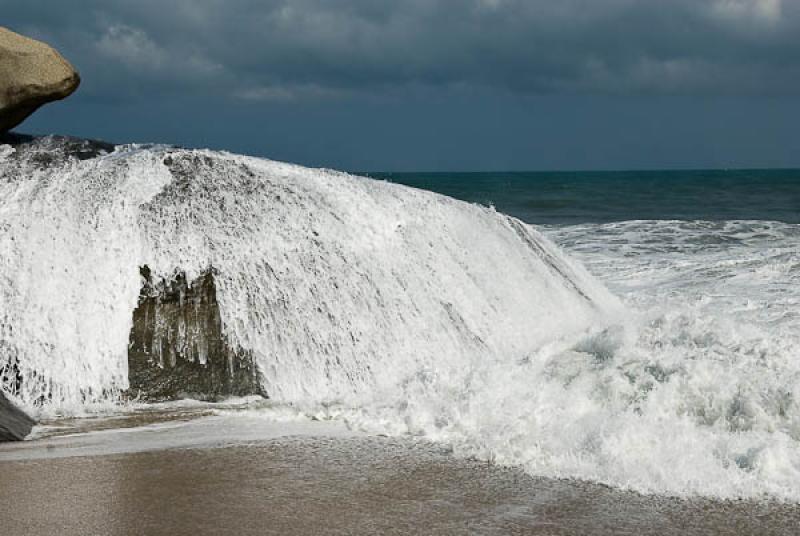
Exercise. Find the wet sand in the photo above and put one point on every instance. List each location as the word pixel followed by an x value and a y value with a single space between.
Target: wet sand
pixel 341 485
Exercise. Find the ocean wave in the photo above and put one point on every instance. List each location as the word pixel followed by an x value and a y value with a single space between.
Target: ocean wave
pixel 405 312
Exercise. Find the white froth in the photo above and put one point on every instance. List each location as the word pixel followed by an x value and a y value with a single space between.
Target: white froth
pixel 341 286
pixel 406 312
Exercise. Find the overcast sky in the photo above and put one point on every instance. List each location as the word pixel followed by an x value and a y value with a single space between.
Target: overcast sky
pixel 435 84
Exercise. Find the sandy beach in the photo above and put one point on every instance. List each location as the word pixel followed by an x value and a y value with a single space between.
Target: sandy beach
pixel 335 485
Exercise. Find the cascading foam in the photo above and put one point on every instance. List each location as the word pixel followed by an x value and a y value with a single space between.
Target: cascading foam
pixel 340 286
pixel 406 312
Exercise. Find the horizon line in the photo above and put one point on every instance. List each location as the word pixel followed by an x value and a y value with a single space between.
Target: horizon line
pixel 567 171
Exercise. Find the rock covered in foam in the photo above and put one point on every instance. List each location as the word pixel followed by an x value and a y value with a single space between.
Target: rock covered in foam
pixel 14 423
pixel 340 287
pixel 31 74
pixel 42 152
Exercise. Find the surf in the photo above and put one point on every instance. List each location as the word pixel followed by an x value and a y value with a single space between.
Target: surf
pixel 396 310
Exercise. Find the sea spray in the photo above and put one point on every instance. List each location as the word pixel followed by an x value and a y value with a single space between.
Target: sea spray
pixel 695 390
pixel 340 286
pixel 405 312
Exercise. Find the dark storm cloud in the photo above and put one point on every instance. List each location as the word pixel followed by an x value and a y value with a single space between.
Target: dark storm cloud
pixel 284 49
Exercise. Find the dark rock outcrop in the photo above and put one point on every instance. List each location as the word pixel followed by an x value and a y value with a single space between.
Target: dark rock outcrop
pixel 31 74
pixel 177 347
pixel 47 151
pixel 14 423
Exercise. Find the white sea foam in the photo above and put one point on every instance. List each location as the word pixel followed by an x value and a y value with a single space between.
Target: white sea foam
pixel 199 431
pixel 405 312
pixel 340 285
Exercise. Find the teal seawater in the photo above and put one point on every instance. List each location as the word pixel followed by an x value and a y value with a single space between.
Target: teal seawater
pixel 608 196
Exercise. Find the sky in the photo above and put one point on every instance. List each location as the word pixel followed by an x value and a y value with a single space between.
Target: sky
pixel 434 85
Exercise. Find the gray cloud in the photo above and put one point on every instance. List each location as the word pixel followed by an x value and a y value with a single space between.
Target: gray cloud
pixel 281 49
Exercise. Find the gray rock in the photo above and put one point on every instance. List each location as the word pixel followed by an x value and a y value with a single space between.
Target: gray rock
pixel 31 74
pixel 14 423
pixel 177 347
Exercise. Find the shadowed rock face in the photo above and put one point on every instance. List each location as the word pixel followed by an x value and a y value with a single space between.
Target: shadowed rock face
pixel 31 74
pixel 177 347
pixel 14 424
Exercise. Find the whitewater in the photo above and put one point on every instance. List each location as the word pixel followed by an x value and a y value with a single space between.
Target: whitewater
pixel 672 369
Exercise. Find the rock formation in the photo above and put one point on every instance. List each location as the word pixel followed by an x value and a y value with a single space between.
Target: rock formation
pixel 177 346
pixel 14 424
pixel 31 74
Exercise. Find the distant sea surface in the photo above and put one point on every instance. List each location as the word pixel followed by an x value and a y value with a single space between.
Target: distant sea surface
pixel 608 196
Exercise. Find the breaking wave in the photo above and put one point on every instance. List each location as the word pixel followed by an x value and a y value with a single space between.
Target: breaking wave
pixel 406 312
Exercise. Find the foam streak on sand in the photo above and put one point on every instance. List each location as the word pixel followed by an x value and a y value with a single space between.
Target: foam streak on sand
pixel 397 310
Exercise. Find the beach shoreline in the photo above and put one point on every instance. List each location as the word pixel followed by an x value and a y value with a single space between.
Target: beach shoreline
pixel 307 484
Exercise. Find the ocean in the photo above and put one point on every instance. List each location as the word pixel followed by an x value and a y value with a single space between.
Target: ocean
pixel 563 198
pixel 639 330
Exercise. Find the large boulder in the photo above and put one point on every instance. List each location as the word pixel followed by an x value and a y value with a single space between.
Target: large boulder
pixel 31 74
pixel 14 423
